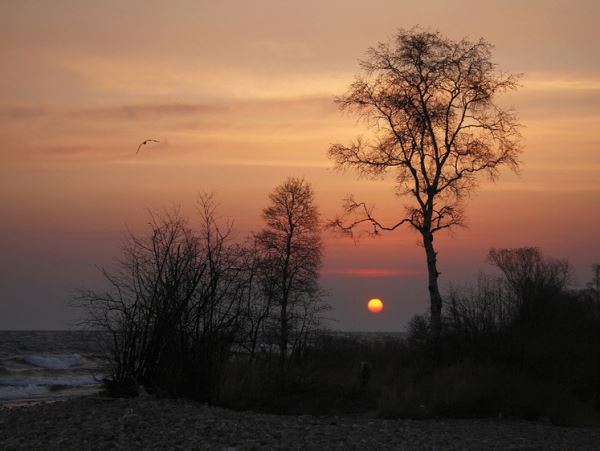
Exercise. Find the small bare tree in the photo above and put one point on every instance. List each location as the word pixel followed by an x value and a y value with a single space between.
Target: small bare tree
pixel 292 248
pixel 430 102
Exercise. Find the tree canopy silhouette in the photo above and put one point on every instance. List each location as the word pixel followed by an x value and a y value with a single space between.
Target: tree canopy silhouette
pixel 431 104
pixel 291 241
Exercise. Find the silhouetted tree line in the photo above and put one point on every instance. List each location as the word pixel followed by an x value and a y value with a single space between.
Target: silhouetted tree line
pixel 527 321
pixel 184 302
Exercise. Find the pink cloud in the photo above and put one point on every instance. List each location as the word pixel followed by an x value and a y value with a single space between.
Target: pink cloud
pixel 372 272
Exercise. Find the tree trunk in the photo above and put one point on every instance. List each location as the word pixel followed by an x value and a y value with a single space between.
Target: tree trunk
pixel 434 296
pixel 285 286
pixel 283 343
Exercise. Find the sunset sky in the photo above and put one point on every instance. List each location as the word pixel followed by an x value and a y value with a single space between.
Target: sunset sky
pixel 240 94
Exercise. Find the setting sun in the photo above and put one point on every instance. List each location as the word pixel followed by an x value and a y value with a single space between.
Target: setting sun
pixel 375 305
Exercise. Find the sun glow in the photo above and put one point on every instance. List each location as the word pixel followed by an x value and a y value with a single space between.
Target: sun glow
pixel 375 305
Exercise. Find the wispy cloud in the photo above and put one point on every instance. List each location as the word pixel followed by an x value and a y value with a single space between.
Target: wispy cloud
pixel 281 50
pixel 227 162
pixel 561 83
pixel 142 111
pixel 141 78
pixel 290 132
pixel 322 104
pixel 21 113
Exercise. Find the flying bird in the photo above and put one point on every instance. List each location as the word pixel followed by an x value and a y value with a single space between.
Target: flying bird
pixel 143 143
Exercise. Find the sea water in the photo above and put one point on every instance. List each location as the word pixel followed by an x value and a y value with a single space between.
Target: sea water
pixel 36 365
pixel 40 365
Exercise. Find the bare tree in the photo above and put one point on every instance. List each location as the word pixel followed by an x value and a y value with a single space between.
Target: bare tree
pixel 217 317
pixel 292 249
pixel 430 102
pixel 153 282
pixel 257 299
pixel 594 284
pixel 479 309
pixel 531 277
pixel 173 305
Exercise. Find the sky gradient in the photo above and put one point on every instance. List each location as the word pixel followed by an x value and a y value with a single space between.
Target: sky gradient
pixel 240 94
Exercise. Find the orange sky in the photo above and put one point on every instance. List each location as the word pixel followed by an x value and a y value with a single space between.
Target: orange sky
pixel 240 95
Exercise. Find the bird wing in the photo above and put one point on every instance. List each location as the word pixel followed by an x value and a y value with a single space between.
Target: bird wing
pixel 146 142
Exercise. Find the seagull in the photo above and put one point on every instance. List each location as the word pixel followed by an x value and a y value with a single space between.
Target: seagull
pixel 143 143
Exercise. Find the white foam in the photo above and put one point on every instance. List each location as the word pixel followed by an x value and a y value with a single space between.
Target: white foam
pixel 22 391
pixel 57 362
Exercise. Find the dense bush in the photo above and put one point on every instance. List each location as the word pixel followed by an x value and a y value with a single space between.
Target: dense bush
pixel 522 344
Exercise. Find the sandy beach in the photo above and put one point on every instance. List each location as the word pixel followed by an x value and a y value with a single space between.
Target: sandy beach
pixel 149 423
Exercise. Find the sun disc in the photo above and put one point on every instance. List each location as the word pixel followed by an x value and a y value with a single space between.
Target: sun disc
pixel 375 305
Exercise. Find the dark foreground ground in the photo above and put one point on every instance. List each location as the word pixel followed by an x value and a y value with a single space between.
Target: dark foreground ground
pixel 148 423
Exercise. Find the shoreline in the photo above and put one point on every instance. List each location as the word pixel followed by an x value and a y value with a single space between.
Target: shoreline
pixel 52 397
pixel 95 422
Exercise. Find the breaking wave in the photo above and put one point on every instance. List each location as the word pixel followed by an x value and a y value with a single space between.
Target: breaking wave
pixel 58 362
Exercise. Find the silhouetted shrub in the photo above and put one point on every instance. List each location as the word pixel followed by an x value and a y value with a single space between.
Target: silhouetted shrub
pixel 121 388
pixel 172 308
pixel 183 302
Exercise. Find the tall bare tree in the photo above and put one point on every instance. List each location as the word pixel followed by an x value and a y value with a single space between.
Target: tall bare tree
pixel 292 245
pixel 431 104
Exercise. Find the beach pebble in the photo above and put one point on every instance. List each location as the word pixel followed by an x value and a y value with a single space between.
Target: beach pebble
pixel 149 423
